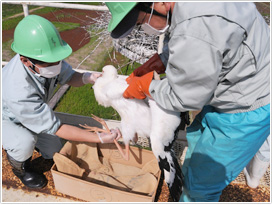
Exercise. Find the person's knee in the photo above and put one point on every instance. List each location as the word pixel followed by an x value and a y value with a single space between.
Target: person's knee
pixel 18 141
pixel 23 151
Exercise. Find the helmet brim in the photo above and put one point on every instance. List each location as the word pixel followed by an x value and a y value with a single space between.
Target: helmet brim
pixel 125 27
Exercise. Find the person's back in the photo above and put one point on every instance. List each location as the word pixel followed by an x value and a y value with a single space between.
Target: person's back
pixel 227 50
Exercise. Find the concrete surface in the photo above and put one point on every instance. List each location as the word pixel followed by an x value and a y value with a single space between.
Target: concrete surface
pixel 18 195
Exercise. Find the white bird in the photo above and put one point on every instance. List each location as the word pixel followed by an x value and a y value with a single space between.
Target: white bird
pixel 139 118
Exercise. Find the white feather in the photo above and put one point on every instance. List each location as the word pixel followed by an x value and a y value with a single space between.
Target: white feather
pixel 147 121
pixel 135 114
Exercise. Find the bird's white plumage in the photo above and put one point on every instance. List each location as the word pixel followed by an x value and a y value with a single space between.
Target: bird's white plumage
pixel 164 124
pixel 145 120
pixel 135 114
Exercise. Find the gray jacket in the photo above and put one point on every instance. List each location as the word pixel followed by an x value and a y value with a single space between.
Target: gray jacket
pixel 219 55
pixel 24 96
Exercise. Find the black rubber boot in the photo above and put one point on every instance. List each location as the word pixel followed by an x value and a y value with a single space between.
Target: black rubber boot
pixel 24 172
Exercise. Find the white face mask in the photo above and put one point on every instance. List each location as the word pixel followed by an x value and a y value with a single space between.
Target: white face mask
pixel 148 29
pixel 50 71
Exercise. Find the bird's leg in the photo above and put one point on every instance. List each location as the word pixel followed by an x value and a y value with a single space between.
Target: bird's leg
pixel 101 121
pixel 92 129
pixel 125 154
pixel 96 129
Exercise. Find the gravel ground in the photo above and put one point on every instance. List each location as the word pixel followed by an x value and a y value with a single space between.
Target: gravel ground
pixel 235 192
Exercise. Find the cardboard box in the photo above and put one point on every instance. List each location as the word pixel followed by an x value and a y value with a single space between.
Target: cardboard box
pixel 94 192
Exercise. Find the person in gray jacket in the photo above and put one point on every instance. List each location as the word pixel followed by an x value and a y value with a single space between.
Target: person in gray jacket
pixel 219 62
pixel 28 81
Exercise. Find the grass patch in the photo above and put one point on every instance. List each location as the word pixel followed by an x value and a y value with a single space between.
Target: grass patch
pixel 65 26
pixel 45 10
pixel 11 23
pixel 12 9
pixel 81 101
pixel 7 52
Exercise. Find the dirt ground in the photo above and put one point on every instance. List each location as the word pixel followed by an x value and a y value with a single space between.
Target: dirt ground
pixel 77 37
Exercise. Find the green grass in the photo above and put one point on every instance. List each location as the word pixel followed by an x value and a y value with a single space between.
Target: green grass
pixel 7 53
pixel 12 9
pixel 45 10
pixel 65 26
pixel 12 22
pixel 81 101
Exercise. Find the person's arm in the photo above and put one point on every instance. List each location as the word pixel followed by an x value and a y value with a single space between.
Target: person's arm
pixel 192 76
pixel 73 133
pixel 76 80
pixel 73 78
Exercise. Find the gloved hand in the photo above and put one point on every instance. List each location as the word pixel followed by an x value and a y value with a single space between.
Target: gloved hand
pixel 90 77
pixel 139 86
pixel 153 64
pixel 109 137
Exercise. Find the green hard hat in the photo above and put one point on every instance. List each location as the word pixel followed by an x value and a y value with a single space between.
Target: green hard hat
pixel 38 38
pixel 124 18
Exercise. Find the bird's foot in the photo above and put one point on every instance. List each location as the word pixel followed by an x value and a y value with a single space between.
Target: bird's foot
pixel 102 122
pixel 124 154
pixel 92 129
pixel 96 129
